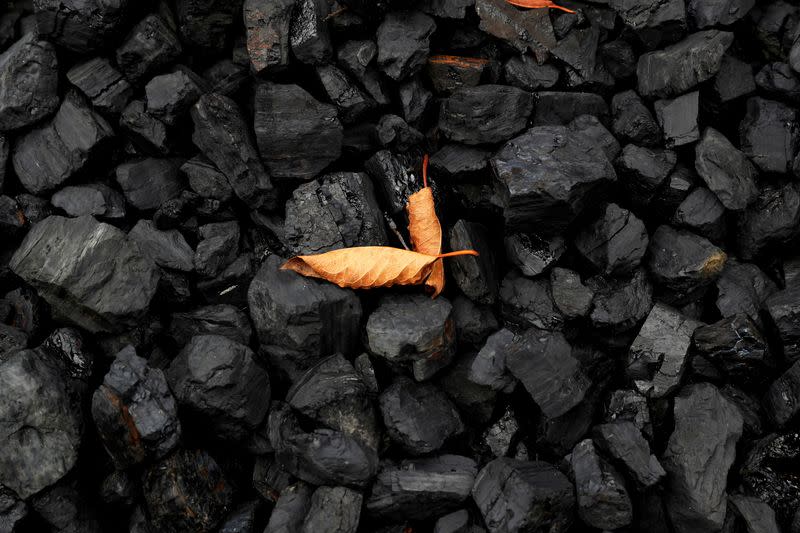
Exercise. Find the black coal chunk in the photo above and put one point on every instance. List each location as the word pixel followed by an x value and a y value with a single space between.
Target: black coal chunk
pixel 779 81
pixel 149 133
pixel 769 222
pixel 699 454
pixel 734 80
pixel 702 213
pixel 333 509
pixel 767 473
pixel 707 14
pixel 578 52
pixel 643 171
pixel 12 509
pixel 80 25
pixel 570 295
pixel 782 401
pixel 737 347
pixel 167 248
pixel 356 56
pixel 94 199
pixel 533 254
pixel 206 180
pixel 769 135
pixel 725 170
pixel 414 98
pixel 413 329
pixel 632 121
pixel 421 488
pixel 752 514
pixel 297 135
pixel 187 491
pixel 418 416
pixel 404 43
pixel 150 46
pixel 393 131
pixel 27 95
pixel 448 73
pixel 134 411
pixel 457 161
pixel 102 83
pixel 290 510
pixel 350 100
pixel 40 426
pixel 618 58
pixel 603 500
pixel 150 182
pixel 485 114
pixel 515 495
pixel 743 288
pixel 529 302
pixel 475 276
pixel 623 441
pixel 654 23
pixel 615 242
pixel 206 25
pixel 560 108
pixel 783 310
pixel 524 72
pixel 488 368
pixel 169 96
pixel 267 23
pixel 95 277
pixel 547 175
pixel 678 119
pixel 221 133
pixel 524 30
pixel 680 67
pixel 339 210
pixel 478 400
pixel 619 304
pixel 309 36
pixel 218 247
pixel 47 156
pixel 630 406
pixel 224 320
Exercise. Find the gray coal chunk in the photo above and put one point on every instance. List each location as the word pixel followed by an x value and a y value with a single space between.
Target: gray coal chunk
pixel 66 507
pixel 485 114
pixel 134 411
pixel 726 170
pixel 475 276
pixel 308 34
pixel 743 288
pixel 268 23
pixel 336 211
pixel 219 381
pixel 699 454
pixel 683 262
pixel 488 368
pixel 167 248
pixel 223 320
pixel 355 56
pixel 618 58
pixel 630 406
pixel 221 133
pixel 146 131
pixel 418 416
pixel 678 119
pixel 47 156
pixel 206 25
pixel 342 91
pixel 451 9
pixel 102 83
pixel 682 66
pixel 414 98
pixel 590 126
pixel 81 25
pixel 473 322
pixel 169 96
pixel 515 495
pixel 218 247
pixel 149 46
pixel 702 213
pixel 737 347
pixel 477 400
pixel 770 222
pixel 94 199
pixel 527 30
pixel 783 312
pixel 620 304
pixel 675 189
pixel 615 242
pixel 555 108
pixel 12 510
pixel 5 149
pixel 718 13
pixel 186 491
pixel 765 473
pixel 533 254
pixel 659 355
pixel 299 319
pixel 413 329
pixel 149 182
pixel 578 52
pixel 782 401
pixel 457 160
pixel 603 500
pixel 500 435
pixel 206 180
pixel 549 174
pixel 544 363
pixel 626 445
pixel 526 302
pixel 290 510
pixel 654 23
pixel 455 522
pixel 734 79
pixel 333 509
pixel 393 177
pixel 525 73
pixel 752 513
pixel 366 371
pixel 447 74
pixel 91 273
pixel 27 95
pixel 418 489
pixel 779 81
pixel 571 297
pixel 393 131
pixel 41 425
pixel 12 339
pixel 242 519
pixel 644 171
pixel 404 43
pixel 632 121
pixel 768 134
pixel 297 135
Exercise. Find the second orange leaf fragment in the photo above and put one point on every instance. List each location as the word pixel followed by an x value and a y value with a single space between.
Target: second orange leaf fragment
pixel 538 4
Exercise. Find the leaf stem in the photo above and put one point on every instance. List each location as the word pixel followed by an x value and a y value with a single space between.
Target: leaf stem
pixel 425 159
pixel 457 253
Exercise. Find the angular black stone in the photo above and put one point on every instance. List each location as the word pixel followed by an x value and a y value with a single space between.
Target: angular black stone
pixel 632 121
pixel 767 473
pixel 737 347
pixel 150 46
pixel 404 43
pixel 206 25
pixel 770 222
pixel 290 510
pixel 769 134
pixel 725 170
pixel 623 441
pixel 529 302
pixel 475 276
pixel 206 180
pixel 169 96
pixel 149 133
pixel 619 304
pixel 560 108
pixel 678 119
pixel 309 36
pixel 82 25
pixel 268 24
pixel 615 242
pixel 224 320
pixel 707 14
pixel 524 30
pixel 752 514
pixel 27 95
pixel 414 98
pixel 343 92
pixel 218 247
pixel 603 500
pixel 779 81
pixel 150 182
pixel 448 73
pixel 783 313
pixel 102 83
pixel 333 509
pixel 578 52
pixel 743 288
pixel 355 56
pixel 488 368
pixel 457 161
pixel 94 199
pixel 485 114
pixel 525 73
pixel 570 296
pixel 683 262
pixel 393 177
pixel 654 23
pixel 166 248
pixel 393 131
pixel 643 171
pixel 702 213
pixel 630 406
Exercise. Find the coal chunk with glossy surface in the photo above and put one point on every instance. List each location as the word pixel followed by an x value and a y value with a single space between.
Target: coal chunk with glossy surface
pixel 683 262
pixel 615 242
pixel 485 114
pixel 309 36
pixel 81 25
pixel 737 347
pixel 102 83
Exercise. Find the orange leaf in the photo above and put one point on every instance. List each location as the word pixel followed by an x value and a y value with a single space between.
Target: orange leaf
pixel 368 267
pixel 537 4
pixel 425 229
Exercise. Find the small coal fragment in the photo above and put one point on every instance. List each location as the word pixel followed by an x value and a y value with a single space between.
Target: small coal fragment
pixel 615 242
pixel 619 304
pixel 92 276
pixel 678 68
pixel 207 24
pixel 737 347
pixel 267 23
pixel 656 23
pixel 66 507
pixel 771 221
pixel 414 98
pixel 394 131
pixel 350 100
pixel 309 36
pixel 224 320
pixel 700 451
pixel 187 491
pixel 532 254
pixel 488 368
pixel 103 84
pixel 94 199
pixel 734 80
pixel 290 510
pixel 415 329
pixel 743 288
pixel 297 135
pixel 12 338
pixel 702 213
pixel 623 441
pixel 169 96
pixel 529 302
pixel 134 411
pixel 150 46
pixel 448 73
pixel 404 43
pixel 779 81
pixel 632 121
pixel 27 95
pixel 643 171
pixel 707 14
pixel 515 495
pixel 455 522
pixel 525 73
pixel 628 405
pixel 145 130
pixel 571 296
pixel 475 276
pixel 333 509
pixel 47 156
pixel 524 30
pixel 560 108
pixel 477 400
pixel 485 114
pixel 782 401
pixel 726 170
pixel 769 135
pixel 603 501
pixel 767 473
pixel 784 315
pixel 206 180
pixel 683 262
pixel 167 248
pixel 421 488
pixel 578 52
pixel 150 182
pixel 618 58
pixel 678 119
pixel 218 247
pixel 355 56
pixel 752 514
pixel 457 161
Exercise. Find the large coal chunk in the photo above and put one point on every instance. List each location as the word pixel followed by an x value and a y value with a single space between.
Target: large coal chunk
pixel 90 273
pixel 27 95
pixel 768 474
pixel 150 182
pixel 783 311
pixel 298 319
pixel 769 134
pixel 524 30
pixel 603 500
pixel 644 171
pixel 736 346
pixel 221 133
pixel 297 135
pixel 419 416
pixel 782 401
pixel 615 242
pixel 102 83
pixel 770 222
pixel 515 495
pixel 40 425
pixel 683 262
pixel 660 353
pixel 700 451
pixel 632 121
pixel 421 488
pixel 620 304
pixel 654 23
pixel 680 67
pixel 485 114
pixel 134 411
pixel 624 442
pixel 81 25
pixel 219 381
pixel 337 211
pixel 546 176
pixel 333 509
pixel 475 276
pixel 187 491
pixel 707 14
pixel 207 24
pixel 725 170
pixel 267 23
pixel 404 43
pixel 752 514
pixel 47 156
pixel 413 329
pixel 150 45
pixel 529 302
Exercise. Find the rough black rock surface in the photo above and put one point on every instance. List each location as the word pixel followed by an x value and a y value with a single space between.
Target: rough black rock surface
pixel 485 114
pixel 27 94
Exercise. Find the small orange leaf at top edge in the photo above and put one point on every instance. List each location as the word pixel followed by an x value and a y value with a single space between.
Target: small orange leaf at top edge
pixel 538 4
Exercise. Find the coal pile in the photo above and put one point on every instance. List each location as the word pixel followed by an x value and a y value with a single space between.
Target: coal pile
pixel 622 355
